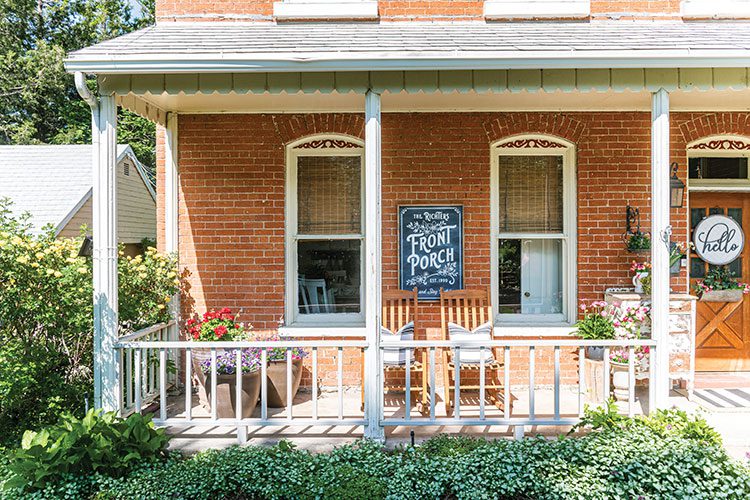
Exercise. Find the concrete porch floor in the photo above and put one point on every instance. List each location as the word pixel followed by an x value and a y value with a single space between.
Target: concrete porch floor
pixel 732 426
pixel 321 438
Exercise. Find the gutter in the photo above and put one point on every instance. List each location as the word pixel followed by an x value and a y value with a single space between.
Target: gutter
pixel 327 62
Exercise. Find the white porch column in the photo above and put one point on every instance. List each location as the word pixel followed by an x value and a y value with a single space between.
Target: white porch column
pixel 373 265
pixel 106 384
pixel 660 233
pixel 171 172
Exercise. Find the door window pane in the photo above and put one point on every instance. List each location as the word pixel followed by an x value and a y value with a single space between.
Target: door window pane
pixel 718 168
pixel 329 277
pixel 329 195
pixel 530 276
pixel 531 194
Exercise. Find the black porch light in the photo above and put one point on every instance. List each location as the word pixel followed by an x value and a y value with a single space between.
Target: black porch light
pixel 87 247
pixel 676 188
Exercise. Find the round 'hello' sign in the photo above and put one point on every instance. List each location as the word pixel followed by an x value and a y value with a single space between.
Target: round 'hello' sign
pixel 718 240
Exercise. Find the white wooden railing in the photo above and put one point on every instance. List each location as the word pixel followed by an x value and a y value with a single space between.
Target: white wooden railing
pixel 138 369
pixel 285 418
pixel 145 356
pixel 531 345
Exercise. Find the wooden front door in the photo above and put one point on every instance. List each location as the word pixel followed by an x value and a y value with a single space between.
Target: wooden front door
pixel 722 328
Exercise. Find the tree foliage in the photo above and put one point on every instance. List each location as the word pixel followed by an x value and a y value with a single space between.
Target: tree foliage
pixel 38 100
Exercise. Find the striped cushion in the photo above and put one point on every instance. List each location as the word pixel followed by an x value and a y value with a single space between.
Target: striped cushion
pixel 482 332
pixel 397 356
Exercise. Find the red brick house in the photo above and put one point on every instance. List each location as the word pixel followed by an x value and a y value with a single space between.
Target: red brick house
pixel 295 134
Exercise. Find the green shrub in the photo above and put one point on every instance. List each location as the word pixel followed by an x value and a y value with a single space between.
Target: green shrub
pixel 669 455
pixel 46 320
pixel 634 461
pixel 99 443
pixel 661 422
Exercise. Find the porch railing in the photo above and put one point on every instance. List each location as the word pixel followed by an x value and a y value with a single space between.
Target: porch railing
pixel 147 359
pixel 139 372
pixel 531 345
pixel 287 417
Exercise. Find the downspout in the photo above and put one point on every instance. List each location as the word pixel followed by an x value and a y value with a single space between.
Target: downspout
pixel 84 92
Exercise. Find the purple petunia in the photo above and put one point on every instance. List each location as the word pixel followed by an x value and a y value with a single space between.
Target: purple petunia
pixel 226 362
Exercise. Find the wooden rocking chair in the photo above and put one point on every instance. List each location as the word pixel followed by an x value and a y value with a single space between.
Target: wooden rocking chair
pixel 469 309
pixel 399 308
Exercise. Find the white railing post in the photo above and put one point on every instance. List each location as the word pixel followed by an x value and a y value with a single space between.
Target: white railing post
pixel 660 230
pixel 106 387
pixel 373 375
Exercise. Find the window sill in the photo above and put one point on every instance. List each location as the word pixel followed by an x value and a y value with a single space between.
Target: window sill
pixel 721 9
pixel 297 330
pixel 325 10
pixel 535 9
pixel 521 330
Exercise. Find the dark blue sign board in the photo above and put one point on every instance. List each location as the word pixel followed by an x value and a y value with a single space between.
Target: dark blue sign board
pixel 431 254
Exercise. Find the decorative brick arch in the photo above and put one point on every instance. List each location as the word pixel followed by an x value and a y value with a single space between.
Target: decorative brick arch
pixel 550 124
pixel 703 126
pixel 291 128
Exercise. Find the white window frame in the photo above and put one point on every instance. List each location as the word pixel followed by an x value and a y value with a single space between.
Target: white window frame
pixel 714 9
pixel 325 9
pixel 292 316
pixel 568 237
pixel 537 9
pixel 718 184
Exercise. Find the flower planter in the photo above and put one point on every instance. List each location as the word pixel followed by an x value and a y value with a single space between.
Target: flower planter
pixel 595 353
pixel 620 381
pixel 199 355
pixel 226 394
pixel 277 381
pixel 674 269
pixel 640 251
pixel 722 296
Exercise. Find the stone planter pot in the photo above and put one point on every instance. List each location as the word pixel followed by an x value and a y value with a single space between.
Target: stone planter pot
pixel 277 382
pixel 226 394
pixel 620 381
pixel 595 353
pixel 722 296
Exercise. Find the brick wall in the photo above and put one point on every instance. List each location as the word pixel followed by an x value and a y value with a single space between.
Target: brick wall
pixel 232 172
pixel 403 10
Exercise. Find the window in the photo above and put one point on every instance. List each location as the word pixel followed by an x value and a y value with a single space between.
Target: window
pixel 534 9
pixel 325 9
pixel 325 235
pixel 719 162
pixel 533 218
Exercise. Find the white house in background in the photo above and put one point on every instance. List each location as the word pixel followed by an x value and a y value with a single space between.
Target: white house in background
pixel 55 185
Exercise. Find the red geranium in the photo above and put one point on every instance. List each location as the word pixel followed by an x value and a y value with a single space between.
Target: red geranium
pixel 214 326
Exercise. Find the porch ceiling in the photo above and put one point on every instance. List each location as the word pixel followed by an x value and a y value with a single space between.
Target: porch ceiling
pixel 233 47
pixel 710 100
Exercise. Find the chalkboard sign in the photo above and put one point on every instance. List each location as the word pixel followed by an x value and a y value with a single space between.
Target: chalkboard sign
pixel 431 249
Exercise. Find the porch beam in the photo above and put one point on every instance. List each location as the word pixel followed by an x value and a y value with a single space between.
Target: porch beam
pixel 106 383
pixel 373 264
pixel 661 231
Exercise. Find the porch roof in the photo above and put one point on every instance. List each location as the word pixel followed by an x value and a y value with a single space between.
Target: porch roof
pixel 174 47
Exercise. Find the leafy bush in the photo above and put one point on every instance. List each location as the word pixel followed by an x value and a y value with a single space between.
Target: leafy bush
pixel 667 456
pixel 46 319
pixel 100 442
pixel 662 423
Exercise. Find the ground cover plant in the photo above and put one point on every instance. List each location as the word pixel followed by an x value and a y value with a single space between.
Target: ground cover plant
pixel 669 455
